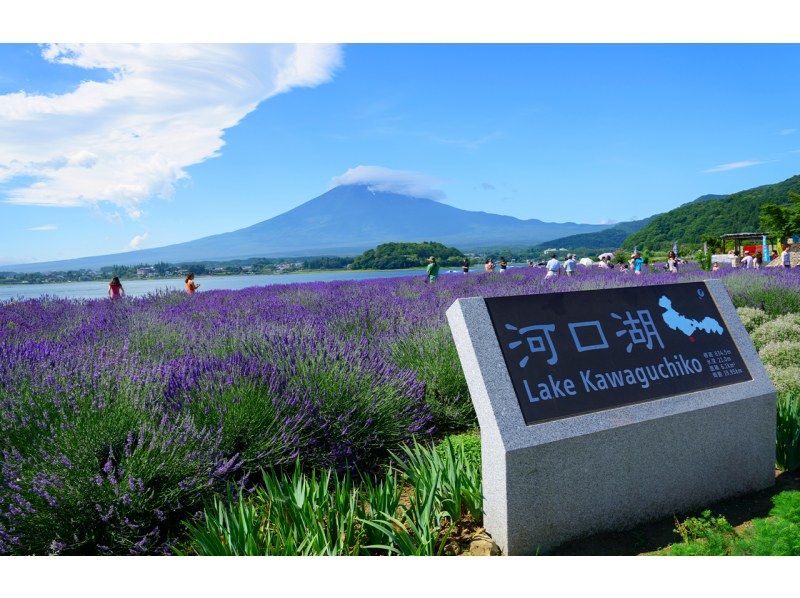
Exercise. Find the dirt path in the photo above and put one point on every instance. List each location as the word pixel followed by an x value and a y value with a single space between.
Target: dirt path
pixel 659 534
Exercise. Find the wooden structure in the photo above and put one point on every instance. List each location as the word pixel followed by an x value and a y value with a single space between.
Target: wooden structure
pixel 738 238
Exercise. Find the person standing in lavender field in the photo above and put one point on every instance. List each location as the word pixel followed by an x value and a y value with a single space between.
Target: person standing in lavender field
pixel 191 286
pixel 503 264
pixel 553 266
pixel 432 270
pixel 570 264
pixel 672 262
pixel 637 262
pixel 115 290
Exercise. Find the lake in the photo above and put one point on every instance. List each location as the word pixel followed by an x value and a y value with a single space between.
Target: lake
pixel 99 289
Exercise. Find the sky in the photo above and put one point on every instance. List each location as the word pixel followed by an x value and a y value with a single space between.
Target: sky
pixel 107 148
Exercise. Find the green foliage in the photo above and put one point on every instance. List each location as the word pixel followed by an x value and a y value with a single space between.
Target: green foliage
pixel 776 535
pixel 751 317
pixel 229 529
pixel 325 263
pixel 406 255
pixel 691 222
pixel 296 514
pixel 458 487
pixel 433 357
pixel 362 410
pixel 780 221
pixel 787 445
pixel 713 243
pixel 782 328
pixel 322 513
pixel 262 432
pixel 621 256
pixel 704 259
pixel 781 354
pixel 785 379
pixel 469 443
pixel 414 533
pixel 704 536
pixel 122 474
pixel 596 242
pixel 750 291
pixel 446 487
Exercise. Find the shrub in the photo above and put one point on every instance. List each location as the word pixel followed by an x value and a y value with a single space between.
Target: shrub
pixel 785 379
pixel 781 354
pixel 776 535
pixel 782 328
pixel 770 295
pixel 110 480
pixel 704 536
pixel 360 409
pixel 779 534
pixel 751 317
pixel 433 357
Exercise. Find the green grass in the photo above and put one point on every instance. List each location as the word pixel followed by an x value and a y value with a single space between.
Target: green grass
pixel 776 535
pixel 324 513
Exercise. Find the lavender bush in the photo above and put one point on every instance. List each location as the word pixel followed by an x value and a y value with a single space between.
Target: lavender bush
pixel 120 419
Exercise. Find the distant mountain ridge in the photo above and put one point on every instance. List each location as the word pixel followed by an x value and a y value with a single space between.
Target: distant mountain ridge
pixel 711 215
pixel 345 220
pixel 600 241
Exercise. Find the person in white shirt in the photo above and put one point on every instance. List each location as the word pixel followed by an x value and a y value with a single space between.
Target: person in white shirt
pixel 786 258
pixel 747 260
pixel 553 267
pixel 603 263
pixel 570 264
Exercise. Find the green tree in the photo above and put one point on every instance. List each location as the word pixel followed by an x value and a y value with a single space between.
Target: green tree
pixel 406 255
pixel 781 222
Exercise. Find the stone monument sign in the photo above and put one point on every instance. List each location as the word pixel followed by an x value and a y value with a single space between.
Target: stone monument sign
pixel 601 409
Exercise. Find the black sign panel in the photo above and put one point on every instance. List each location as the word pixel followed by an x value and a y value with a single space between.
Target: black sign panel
pixel 578 352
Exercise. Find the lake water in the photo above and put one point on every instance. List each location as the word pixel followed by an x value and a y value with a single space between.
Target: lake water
pixel 99 289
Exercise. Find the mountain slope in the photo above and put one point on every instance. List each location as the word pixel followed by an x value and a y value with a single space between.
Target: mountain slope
pixel 344 221
pixel 738 212
pixel 604 240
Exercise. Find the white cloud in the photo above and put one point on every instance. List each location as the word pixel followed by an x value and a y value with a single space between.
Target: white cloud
pixel 130 138
pixel 607 221
pixel 44 227
pixel 734 165
pixel 786 131
pixel 137 241
pixel 404 182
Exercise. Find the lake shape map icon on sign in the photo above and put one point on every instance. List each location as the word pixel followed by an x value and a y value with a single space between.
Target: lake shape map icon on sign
pixel 686 325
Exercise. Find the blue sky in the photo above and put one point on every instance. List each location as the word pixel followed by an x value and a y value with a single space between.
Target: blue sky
pixel 104 148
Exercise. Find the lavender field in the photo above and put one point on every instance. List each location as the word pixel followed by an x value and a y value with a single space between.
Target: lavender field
pixel 120 420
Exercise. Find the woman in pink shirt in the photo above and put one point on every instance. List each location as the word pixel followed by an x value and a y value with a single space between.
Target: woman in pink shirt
pixel 115 290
